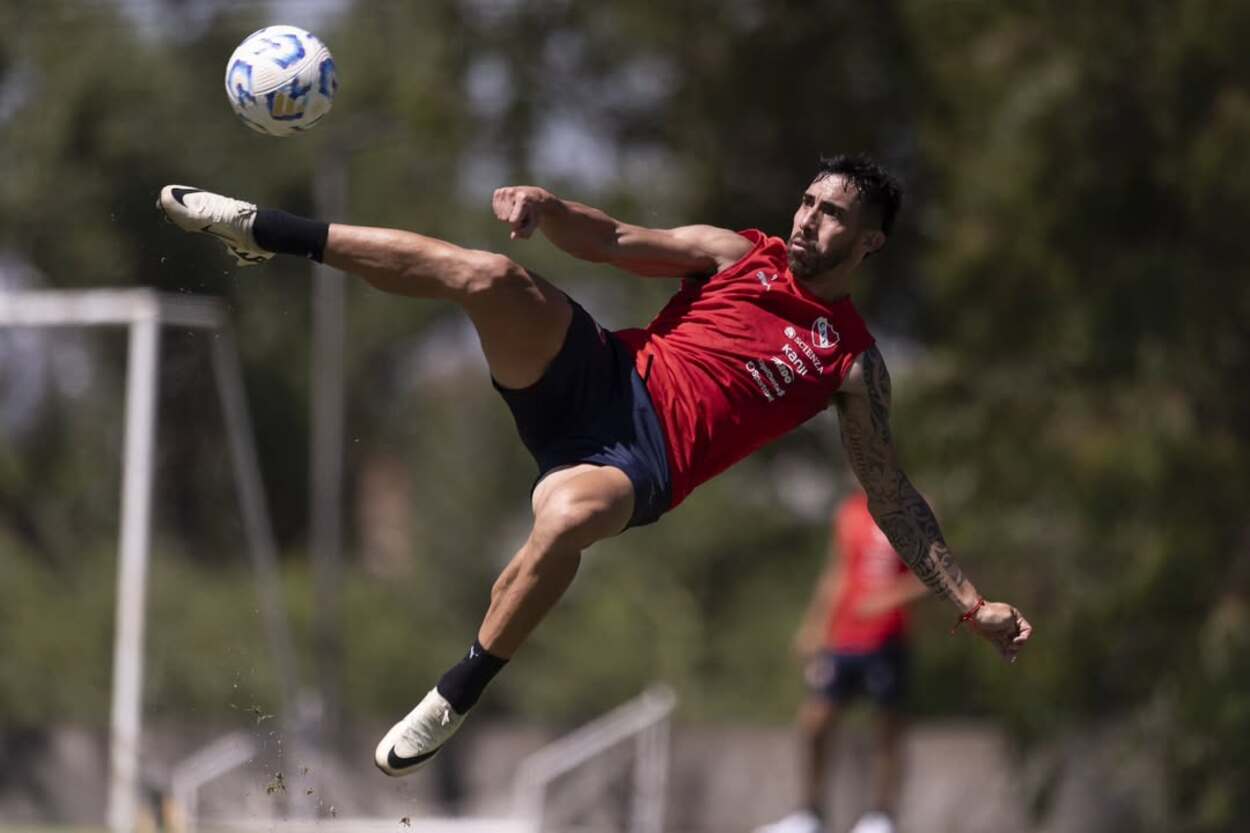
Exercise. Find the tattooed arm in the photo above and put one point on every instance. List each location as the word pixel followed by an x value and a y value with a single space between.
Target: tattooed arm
pixel 902 514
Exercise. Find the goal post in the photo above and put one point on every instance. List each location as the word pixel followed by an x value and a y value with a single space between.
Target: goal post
pixel 144 312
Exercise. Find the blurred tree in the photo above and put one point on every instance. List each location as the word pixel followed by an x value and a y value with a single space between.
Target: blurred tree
pixel 1069 257
pixel 1088 319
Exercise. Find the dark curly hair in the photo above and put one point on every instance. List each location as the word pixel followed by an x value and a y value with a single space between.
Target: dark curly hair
pixel 878 189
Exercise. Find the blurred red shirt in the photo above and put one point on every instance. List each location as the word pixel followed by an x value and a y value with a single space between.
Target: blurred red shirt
pixel 870 565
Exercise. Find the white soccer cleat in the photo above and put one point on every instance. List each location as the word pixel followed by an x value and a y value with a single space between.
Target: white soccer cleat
pixel 227 219
pixel 802 821
pixel 874 823
pixel 413 741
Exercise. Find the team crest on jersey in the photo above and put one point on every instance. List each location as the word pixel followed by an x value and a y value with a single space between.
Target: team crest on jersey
pixel 765 279
pixel 824 335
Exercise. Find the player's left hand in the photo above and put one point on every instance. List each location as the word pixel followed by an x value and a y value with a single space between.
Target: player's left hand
pixel 1004 627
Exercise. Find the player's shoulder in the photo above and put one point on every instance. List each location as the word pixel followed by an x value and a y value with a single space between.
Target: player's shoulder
pixel 723 246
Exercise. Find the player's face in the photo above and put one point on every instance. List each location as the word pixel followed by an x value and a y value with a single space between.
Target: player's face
pixel 827 228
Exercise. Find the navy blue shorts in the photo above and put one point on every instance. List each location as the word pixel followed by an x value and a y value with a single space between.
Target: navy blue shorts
pixel 880 674
pixel 591 406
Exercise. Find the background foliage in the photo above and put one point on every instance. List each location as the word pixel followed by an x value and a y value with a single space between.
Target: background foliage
pixel 1064 306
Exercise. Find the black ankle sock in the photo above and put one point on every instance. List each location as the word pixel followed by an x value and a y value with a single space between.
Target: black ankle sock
pixel 285 234
pixel 464 682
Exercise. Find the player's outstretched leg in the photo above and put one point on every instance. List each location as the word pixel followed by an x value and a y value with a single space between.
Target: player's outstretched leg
pixel 573 508
pixel 520 318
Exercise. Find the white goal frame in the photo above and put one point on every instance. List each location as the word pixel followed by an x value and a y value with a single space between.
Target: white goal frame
pixel 143 312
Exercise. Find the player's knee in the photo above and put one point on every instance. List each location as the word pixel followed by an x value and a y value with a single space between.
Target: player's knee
pixel 815 716
pixel 568 522
pixel 488 274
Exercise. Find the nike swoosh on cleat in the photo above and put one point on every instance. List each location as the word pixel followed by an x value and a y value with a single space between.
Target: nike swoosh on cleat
pixel 398 763
pixel 208 229
pixel 179 193
pixel 248 256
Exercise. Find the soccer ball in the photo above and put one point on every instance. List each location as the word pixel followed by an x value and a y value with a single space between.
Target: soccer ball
pixel 281 80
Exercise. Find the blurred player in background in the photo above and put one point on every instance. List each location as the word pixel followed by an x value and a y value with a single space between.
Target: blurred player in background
pixel 761 336
pixel 852 642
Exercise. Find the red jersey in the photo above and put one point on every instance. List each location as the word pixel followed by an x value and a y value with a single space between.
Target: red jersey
pixel 736 361
pixel 870 565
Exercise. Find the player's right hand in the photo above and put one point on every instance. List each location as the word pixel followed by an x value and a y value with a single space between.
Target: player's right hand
pixel 1004 627
pixel 520 206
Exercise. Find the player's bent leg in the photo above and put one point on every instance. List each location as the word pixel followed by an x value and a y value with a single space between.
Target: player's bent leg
pixel 573 508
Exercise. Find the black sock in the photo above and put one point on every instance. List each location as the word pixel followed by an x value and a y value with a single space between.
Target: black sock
pixel 464 682
pixel 285 234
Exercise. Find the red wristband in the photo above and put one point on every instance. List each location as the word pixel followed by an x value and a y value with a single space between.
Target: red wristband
pixel 971 614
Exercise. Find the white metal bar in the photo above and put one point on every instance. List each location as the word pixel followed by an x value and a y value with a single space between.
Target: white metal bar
pixel 542 767
pixel 53 308
pixel 617 725
pixel 141 387
pixel 650 779
pixel 212 761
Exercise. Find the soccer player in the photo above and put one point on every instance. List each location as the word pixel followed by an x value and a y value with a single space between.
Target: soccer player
pixel 853 641
pixel 760 336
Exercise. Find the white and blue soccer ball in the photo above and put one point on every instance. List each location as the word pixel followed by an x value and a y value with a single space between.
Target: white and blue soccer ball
pixel 281 80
